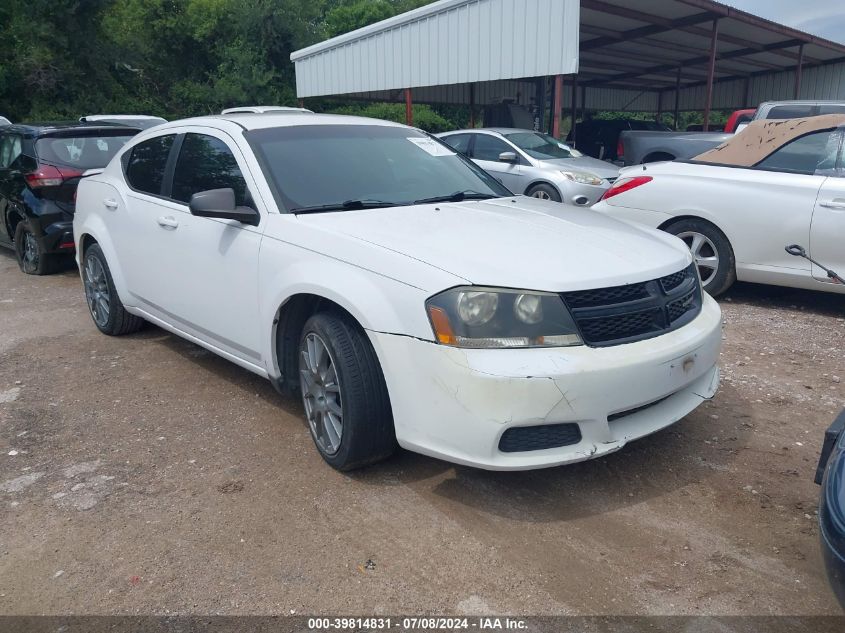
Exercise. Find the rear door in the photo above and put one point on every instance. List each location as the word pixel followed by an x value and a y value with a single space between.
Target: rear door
pixel 11 147
pixel 827 233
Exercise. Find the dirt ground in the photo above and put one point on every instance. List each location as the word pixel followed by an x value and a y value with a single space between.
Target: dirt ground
pixel 144 475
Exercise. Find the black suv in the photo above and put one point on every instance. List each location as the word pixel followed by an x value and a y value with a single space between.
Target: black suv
pixel 40 167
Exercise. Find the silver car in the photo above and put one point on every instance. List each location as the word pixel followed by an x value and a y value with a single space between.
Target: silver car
pixel 535 164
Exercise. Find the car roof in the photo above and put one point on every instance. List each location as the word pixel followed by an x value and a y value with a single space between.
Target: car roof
pixel 804 102
pixel 47 127
pixel 271 120
pixel 120 117
pixel 264 110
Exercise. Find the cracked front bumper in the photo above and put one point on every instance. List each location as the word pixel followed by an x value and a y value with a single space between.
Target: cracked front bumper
pixel 455 404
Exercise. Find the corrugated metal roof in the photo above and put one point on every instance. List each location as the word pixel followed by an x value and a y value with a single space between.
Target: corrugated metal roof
pixel 624 53
pixel 446 42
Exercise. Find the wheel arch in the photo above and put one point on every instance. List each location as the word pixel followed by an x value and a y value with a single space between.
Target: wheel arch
pixel 14 216
pixel 289 319
pixel 541 181
pixel 658 155
pixel 90 235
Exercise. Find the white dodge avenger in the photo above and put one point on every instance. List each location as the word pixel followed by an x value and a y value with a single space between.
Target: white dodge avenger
pixel 406 295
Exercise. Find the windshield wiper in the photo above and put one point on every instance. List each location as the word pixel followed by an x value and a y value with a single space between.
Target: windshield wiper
pixel 349 205
pixel 458 196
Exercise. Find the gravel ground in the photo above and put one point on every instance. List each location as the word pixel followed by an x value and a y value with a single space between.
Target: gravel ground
pixel 145 475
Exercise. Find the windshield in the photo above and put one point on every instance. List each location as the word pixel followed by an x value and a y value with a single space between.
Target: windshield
pixel 320 165
pixel 542 146
pixel 82 152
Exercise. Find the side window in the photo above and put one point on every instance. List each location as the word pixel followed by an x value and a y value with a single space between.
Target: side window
pixel 10 149
pixel 790 112
pixel 832 108
pixel 489 147
pixel 145 168
pixel 806 154
pixel 207 163
pixel 458 142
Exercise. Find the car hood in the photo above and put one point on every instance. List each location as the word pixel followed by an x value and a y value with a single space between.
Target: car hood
pixel 583 163
pixel 518 242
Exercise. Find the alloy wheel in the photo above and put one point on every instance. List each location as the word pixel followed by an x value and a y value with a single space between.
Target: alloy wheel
pixel 542 195
pixel 97 290
pixel 704 252
pixel 321 393
pixel 30 252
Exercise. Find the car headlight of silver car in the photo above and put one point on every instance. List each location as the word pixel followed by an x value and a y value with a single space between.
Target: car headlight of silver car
pixel 582 177
pixel 477 317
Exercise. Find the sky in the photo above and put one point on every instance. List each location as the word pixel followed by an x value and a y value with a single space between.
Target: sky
pixel 825 18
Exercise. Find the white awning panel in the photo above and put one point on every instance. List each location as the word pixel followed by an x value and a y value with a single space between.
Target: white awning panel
pixel 447 42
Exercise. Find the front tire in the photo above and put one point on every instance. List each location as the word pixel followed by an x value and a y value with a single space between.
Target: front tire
pixel 105 306
pixel 344 393
pixel 30 254
pixel 712 252
pixel 544 192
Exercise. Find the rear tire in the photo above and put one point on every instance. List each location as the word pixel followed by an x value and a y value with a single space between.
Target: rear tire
pixel 544 192
pixel 712 252
pixel 344 393
pixel 31 256
pixel 104 305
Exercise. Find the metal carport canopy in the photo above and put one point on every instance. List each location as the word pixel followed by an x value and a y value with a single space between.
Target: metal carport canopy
pixel 446 42
pixel 645 55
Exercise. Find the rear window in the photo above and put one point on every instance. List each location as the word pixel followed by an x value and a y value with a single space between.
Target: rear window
pixel 145 168
pixel 82 152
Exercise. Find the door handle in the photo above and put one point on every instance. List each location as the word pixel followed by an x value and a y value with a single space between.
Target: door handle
pixel 168 221
pixel 833 204
pixel 110 203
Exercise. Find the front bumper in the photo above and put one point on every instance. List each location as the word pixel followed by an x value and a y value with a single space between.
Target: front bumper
pixel 572 191
pixel 455 404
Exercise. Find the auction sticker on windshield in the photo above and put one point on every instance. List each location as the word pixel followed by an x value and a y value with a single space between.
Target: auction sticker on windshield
pixel 432 147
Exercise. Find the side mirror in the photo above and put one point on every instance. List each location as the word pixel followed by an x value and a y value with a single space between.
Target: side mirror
pixel 220 203
pixel 507 157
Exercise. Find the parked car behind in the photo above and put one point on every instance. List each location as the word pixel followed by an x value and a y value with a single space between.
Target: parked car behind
pixel 139 121
pixel 265 110
pixel 738 119
pixel 739 205
pixel 831 475
pixel 600 138
pixel 652 147
pixel 40 168
pixel 797 109
pixel 405 294
pixel 535 164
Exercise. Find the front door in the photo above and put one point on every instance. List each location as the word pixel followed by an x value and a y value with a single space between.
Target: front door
pixel 485 152
pixel 208 268
pixel 827 234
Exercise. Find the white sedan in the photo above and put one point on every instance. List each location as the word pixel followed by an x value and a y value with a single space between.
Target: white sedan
pixel 774 185
pixel 402 291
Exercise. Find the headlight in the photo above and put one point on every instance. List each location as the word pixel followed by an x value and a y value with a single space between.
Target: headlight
pixel 501 318
pixel 582 177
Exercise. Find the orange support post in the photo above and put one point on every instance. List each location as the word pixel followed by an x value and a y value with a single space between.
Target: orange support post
pixel 409 110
